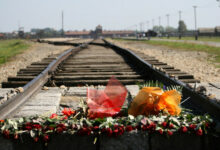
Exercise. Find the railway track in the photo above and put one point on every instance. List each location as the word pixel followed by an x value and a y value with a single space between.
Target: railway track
pixel 94 64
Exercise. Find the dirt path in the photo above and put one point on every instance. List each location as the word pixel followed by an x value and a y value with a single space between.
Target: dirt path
pixel 195 63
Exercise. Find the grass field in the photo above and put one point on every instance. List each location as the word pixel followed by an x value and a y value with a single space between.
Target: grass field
pixel 205 39
pixel 10 48
pixel 214 51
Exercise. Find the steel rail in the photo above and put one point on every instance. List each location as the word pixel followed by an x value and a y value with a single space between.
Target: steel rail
pixel 8 108
pixel 201 101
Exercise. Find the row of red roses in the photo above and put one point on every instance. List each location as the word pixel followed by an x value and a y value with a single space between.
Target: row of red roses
pixel 165 128
pixel 116 130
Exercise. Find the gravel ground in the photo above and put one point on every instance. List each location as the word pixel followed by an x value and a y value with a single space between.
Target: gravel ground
pixel 195 63
pixel 35 53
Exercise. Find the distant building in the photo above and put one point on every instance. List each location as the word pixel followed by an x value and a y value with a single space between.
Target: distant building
pixel 209 31
pixel 78 34
pixel 2 36
pixel 206 31
pixel 217 30
pixel 99 33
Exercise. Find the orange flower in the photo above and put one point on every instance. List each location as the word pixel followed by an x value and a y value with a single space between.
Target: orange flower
pixel 2 121
pixel 169 101
pixel 151 100
pixel 144 102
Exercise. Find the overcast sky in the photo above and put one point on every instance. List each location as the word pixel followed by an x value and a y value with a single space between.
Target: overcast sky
pixel 111 14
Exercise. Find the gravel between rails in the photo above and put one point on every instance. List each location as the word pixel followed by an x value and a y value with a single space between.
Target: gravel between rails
pixel 35 53
pixel 195 63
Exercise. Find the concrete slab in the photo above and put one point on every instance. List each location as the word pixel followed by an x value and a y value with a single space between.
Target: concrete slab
pixel 50 101
pixel 44 103
pixel 133 89
pixel 77 91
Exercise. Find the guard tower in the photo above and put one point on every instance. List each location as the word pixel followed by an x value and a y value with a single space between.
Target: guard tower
pixel 98 31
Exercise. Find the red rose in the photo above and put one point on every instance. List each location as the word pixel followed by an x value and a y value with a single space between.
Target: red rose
pixel 120 130
pixel 50 128
pixel 28 128
pixel 61 125
pixel 192 126
pixel 129 128
pixel 160 131
pixel 169 132
pixel 84 131
pixel 6 134
pixel 171 126
pixel 145 127
pixel 59 130
pixel 109 132
pixel 46 137
pixel 36 139
pixel 95 128
pixel 152 126
pixel 207 125
pixel 115 131
pixel 37 126
pixel 184 129
pixel 164 124
pixel 199 132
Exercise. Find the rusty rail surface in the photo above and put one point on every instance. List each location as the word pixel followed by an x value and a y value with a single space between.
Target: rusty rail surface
pixel 10 106
pixel 201 101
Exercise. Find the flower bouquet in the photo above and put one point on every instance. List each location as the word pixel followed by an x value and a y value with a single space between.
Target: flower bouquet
pixel 154 110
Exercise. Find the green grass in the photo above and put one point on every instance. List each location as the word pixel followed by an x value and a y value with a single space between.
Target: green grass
pixel 10 48
pixel 205 39
pixel 214 51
